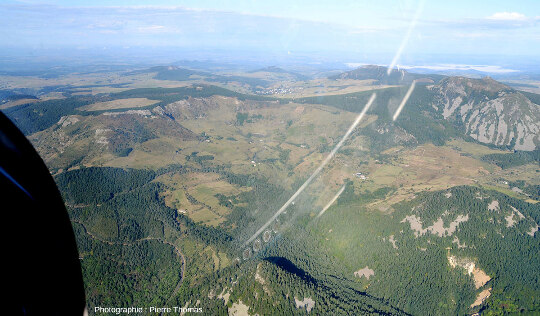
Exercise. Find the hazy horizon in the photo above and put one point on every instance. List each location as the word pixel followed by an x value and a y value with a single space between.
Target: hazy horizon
pixel 497 36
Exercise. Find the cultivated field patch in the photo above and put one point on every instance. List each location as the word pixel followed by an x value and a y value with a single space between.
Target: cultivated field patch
pixel 119 104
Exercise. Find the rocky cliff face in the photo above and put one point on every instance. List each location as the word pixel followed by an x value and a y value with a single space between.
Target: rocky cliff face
pixel 489 111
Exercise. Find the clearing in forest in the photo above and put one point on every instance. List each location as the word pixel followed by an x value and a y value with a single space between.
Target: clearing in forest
pixel 119 104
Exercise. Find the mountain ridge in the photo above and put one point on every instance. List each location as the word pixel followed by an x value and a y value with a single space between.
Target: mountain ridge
pixel 489 111
pixel 382 77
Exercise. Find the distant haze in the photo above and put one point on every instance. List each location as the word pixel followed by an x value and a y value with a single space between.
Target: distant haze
pixel 499 35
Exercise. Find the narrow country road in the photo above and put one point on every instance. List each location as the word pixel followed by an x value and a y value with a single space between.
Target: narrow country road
pixel 177 250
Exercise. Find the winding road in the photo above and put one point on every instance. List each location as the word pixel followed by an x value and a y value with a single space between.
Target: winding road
pixel 177 250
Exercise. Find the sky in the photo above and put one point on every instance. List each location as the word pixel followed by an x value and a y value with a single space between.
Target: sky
pixel 404 31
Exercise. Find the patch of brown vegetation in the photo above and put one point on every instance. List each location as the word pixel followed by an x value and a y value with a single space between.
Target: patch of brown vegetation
pixel 119 104
pixel 10 104
pixel 480 278
pixel 482 296
pixel 365 272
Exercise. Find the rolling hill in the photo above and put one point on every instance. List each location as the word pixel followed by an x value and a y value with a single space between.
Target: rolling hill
pixel 381 77
pixel 164 185
pixel 489 111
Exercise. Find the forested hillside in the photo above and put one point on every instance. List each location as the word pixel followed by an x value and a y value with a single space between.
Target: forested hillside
pixel 164 186
pixel 411 253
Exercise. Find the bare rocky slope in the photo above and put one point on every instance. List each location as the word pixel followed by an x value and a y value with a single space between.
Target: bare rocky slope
pixel 489 111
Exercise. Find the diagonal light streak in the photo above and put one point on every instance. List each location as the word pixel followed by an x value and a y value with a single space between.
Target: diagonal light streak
pixel 332 201
pixel 317 171
pixel 404 101
pixel 406 38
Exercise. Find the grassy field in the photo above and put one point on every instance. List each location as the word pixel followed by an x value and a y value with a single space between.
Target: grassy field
pixel 283 143
pixel 323 86
pixel 275 143
pixel 473 149
pixel 118 104
pixel 412 170
pixel 194 194
pixel 10 104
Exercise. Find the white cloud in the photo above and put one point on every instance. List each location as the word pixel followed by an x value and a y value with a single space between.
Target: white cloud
pixel 507 16
pixel 364 30
pixel 475 35
pixel 104 25
pixel 496 21
pixel 482 68
pixel 151 28
pixel 156 29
